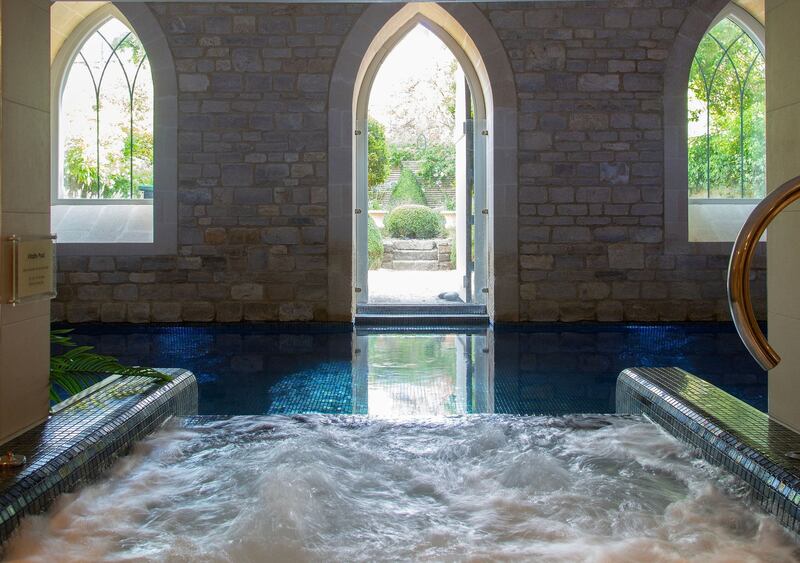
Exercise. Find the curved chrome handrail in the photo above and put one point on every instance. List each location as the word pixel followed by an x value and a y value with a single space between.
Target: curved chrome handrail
pixel 739 271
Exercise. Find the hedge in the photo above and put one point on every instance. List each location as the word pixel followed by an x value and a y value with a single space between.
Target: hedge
pixel 414 222
pixel 374 245
pixel 407 190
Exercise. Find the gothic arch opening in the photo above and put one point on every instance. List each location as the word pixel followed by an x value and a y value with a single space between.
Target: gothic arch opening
pixel 428 208
pixel 469 36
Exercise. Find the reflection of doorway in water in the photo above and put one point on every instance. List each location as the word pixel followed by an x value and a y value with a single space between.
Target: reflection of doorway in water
pixel 438 374
pixel 422 124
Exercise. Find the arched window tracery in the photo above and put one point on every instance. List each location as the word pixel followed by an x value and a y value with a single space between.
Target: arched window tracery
pixel 726 115
pixel 106 116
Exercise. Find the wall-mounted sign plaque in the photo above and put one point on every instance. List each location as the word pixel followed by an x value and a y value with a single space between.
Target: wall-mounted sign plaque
pixel 32 269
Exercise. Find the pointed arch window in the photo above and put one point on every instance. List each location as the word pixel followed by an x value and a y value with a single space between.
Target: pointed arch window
pixel 726 115
pixel 106 118
pixel 114 132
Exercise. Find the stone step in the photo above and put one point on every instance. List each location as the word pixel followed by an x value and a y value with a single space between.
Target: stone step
pixel 411 244
pixel 425 265
pixel 422 309
pixel 419 322
pixel 416 255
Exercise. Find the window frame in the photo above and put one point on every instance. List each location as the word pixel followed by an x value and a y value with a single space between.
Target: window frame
pixel 138 18
pixel 676 140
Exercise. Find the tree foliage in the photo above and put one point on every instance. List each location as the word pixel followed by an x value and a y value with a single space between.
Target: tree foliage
pixel 77 367
pixel 113 180
pixel 400 154
pixel 108 136
pixel 437 163
pixel 420 121
pixel 378 154
pixel 727 147
pixel 426 108
pixel 438 168
pixel 374 245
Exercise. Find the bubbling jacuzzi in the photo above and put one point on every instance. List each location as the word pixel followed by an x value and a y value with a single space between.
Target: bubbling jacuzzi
pixel 328 444
pixel 345 488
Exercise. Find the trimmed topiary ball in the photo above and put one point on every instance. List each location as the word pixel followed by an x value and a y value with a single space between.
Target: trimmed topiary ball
pixel 374 245
pixel 414 222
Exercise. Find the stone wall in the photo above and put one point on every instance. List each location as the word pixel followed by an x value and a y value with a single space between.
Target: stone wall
pixel 253 85
pixel 591 178
pixel 417 254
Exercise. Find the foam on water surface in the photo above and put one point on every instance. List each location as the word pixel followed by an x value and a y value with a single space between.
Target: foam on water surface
pixel 326 488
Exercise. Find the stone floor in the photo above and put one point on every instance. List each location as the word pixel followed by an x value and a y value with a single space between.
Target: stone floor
pixel 405 286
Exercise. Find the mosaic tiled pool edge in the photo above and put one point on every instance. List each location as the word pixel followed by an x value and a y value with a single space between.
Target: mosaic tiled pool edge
pixel 79 443
pixel 726 431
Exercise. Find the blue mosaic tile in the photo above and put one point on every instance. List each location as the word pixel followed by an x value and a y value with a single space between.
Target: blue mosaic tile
pixel 725 430
pixel 78 443
pixel 549 368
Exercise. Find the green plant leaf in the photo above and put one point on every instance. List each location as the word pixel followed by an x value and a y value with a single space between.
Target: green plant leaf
pixel 77 367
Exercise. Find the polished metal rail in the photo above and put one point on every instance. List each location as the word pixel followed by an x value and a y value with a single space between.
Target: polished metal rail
pixel 739 271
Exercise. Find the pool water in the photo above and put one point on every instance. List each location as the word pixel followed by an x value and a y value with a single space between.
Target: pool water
pixel 530 369
pixel 473 449
pixel 353 488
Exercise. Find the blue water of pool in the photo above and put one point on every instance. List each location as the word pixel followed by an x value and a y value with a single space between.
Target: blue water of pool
pixel 515 369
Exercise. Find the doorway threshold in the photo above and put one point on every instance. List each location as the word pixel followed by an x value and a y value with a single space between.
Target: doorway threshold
pixel 423 315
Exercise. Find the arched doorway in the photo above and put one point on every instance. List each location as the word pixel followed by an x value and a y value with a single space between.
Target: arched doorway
pixel 473 41
pixel 469 224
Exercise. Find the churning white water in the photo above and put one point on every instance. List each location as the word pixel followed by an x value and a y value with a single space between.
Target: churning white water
pixel 319 488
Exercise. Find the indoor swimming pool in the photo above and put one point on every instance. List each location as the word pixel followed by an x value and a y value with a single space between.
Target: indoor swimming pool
pixel 542 369
pixel 324 443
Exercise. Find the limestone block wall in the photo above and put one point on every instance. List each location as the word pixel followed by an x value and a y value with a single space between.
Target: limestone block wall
pixel 590 82
pixel 253 198
pixel 252 133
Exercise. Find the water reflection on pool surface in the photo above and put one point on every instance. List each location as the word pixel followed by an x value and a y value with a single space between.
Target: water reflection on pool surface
pixel 534 369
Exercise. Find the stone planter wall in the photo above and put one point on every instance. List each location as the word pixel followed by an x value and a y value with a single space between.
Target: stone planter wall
pixel 426 254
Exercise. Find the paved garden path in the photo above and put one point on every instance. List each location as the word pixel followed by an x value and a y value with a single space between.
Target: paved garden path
pixel 408 286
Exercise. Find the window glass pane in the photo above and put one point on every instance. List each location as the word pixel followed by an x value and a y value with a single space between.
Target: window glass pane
pixel 755 141
pixel 77 110
pixel 107 118
pixel 723 138
pixel 726 116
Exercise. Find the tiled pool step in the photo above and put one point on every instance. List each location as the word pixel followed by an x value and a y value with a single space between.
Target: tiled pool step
pixel 80 442
pixel 415 328
pixel 456 315
pixel 437 308
pixel 727 431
